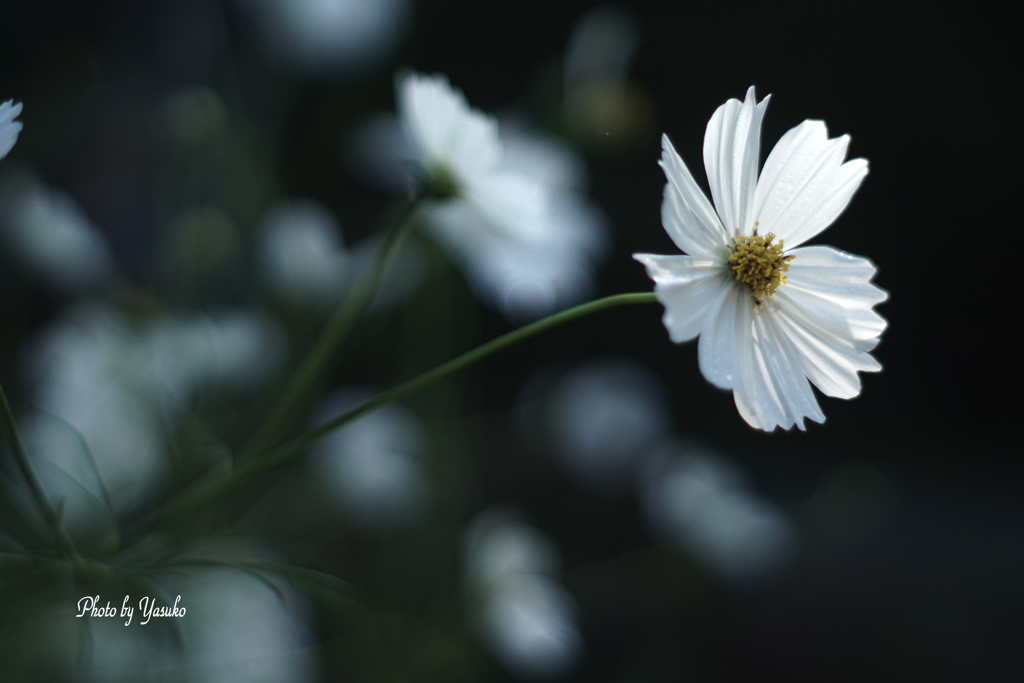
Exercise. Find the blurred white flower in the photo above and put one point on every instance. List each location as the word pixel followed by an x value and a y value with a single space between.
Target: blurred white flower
pixel 49 233
pixel 106 393
pixel 235 628
pixel 602 418
pixel 118 653
pixel 234 350
pixel 239 629
pixel 509 212
pixel 526 618
pixel 9 128
pixel 332 37
pixel 497 544
pixel 530 623
pixel 373 466
pixel 700 500
pixel 768 319
pixel 302 254
pixel 98 426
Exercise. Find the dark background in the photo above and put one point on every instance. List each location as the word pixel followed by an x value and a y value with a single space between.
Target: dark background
pixel 918 578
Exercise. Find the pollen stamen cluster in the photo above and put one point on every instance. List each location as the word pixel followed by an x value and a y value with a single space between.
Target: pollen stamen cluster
pixel 759 264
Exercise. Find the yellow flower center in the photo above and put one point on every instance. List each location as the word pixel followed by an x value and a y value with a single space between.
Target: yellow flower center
pixel 759 264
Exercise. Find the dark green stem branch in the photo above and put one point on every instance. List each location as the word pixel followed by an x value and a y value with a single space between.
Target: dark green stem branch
pixel 319 355
pixel 212 487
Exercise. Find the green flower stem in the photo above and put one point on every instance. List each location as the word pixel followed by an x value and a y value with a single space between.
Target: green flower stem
pixel 65 546
pixel 212 487
pixel 337 328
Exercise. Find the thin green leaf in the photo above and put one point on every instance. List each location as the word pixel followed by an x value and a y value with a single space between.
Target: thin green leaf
pixel 92 461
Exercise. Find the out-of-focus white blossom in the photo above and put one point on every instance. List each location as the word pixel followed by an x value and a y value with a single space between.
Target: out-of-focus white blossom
pixel 525 616
pixel 9 128
pixel 235 628
pixel 509 211
pixel 123 654
pixel 498 544
pixel 531 627
pixel 601 419
pixel 373 466
pixel 239 629
pixel 234 350
pixel 302 254
pixel 700 500
pixel 50 235
pixel 332 37
pixel 98 424
pixel 107 392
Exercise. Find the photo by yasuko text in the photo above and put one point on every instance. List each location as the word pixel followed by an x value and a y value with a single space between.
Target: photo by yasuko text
pixel 89 606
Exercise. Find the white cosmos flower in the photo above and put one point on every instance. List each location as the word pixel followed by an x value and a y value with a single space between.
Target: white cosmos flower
pixel 801 314
pixel 508 211
pixel 9 128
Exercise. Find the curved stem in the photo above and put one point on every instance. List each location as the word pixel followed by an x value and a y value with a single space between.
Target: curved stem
pixel 288 450
pixel 210 488
pixel 61 539
pixel 334 332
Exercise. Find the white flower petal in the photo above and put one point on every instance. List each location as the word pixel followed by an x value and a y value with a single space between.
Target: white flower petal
pixel 731 150
pixel 687 286
pixel 844 281
pixel 718 349
pixel 785 383
pixel 9 128
pixel 805 185
pixel 524 277
pixel 442 127
pixel 752 390
pixel 513 203
pixel 827 360
pixel 687 215
pixel 832 326
pixel 546 159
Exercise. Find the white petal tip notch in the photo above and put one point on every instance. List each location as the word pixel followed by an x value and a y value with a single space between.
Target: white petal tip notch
pixel 772 319
pixel 9 128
